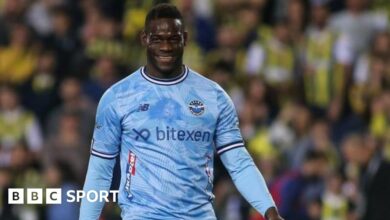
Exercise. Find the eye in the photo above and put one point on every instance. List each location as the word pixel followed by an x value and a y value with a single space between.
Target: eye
pixel 175 39
pixel 154 39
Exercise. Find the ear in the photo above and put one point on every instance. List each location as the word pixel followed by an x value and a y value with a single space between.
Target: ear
pixel 185 36
pixel 144 38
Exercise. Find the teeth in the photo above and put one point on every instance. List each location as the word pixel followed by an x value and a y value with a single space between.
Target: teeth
pixel 165 58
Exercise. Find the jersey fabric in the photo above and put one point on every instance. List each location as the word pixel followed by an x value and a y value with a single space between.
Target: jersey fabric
pixel 166 133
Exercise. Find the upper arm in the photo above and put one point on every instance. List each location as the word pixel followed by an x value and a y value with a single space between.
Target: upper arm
pixel 227 134
pixel 107 132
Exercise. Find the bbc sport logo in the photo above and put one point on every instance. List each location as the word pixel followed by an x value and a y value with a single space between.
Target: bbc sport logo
pixel 54 196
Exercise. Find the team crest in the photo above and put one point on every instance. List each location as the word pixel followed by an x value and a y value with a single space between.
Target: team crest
pixel 196 107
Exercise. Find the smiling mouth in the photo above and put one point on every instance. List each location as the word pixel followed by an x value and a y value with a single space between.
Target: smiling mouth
pixel 165 59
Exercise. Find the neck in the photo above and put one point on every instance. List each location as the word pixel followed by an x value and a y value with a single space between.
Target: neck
pixel 151 71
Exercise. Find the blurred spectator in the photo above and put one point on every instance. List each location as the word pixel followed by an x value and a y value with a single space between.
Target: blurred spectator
pixel 17 125
pixel 5 183
pixel 295 190
pixel 134 17
pixel 358 24
pixel 73 99
pixel 229 205
pixel 325 65
pixel 228 42
pixel 301 124
pixel 335 204
pixel 255 111
pixel 319 140
pixel 200 32
pixel 108 42
pixel 62 39
pixel 13 10
pixel 222 73
pixel 19 58
pixel 314 209
pixel 40 90
pixel 282 134
pixel 104 74
pixel 68 145
pixel 248 21
pixel 25 175
pixel 381 6
pixel 39 17
pixel 374 179
pixel 296 20
pixel 274 61
pixel 204 24
pixel 59 175
pixel 372 74
pixel 380 121
pixel 194 57
pixel 260 146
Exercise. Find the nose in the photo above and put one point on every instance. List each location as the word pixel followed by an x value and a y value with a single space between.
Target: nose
pixel 165 46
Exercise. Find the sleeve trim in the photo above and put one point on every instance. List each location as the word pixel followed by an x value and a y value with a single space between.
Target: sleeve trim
pixel 103 155
pixel 230 146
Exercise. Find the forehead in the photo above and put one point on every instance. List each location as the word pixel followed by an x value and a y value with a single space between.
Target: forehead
pixel 165 26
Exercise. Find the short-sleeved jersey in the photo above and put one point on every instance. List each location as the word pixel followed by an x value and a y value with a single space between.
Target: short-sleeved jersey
pixel 166 132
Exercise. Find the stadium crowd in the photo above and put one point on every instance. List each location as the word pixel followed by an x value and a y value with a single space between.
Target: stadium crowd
pixel 310 80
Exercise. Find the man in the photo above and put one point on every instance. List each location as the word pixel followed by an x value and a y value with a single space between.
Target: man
pixel 374 176
pixel 298 189
pixel 165 121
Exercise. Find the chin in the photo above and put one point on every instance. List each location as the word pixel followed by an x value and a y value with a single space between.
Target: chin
pixel 165 69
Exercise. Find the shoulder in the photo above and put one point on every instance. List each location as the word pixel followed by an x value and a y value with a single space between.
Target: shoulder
pixel 216 92
pixel 198 79
pixel 120 89
pixel 126 84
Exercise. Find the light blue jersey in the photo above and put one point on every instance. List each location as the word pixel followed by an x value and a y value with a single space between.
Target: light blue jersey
pixel 166 133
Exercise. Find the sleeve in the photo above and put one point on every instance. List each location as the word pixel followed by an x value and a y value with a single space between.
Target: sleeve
pixel 107 132
pixel 104 149
pixel 230 147
pixel 248 179
pixel 227 134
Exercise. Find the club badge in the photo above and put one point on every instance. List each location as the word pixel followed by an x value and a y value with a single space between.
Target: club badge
pixel 196 107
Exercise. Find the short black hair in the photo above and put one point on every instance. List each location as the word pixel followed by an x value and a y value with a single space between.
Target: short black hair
pixel 163 10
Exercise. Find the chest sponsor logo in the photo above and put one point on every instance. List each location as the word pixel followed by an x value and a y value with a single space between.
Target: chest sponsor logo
pixel 144 134
pixel 172 134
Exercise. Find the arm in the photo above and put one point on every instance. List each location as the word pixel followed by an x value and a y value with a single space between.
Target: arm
pixel 230 148
pixel 249 181
pixel 104 150
pixel 98 178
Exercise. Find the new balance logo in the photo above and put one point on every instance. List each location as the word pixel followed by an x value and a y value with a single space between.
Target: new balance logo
pixel 143 107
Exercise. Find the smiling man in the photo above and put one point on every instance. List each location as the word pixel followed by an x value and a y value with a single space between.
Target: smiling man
pixel 166 122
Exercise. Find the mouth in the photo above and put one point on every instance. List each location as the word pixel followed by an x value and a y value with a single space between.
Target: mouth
pixel 165 58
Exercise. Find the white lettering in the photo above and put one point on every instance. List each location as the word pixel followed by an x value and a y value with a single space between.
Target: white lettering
pixel 70 196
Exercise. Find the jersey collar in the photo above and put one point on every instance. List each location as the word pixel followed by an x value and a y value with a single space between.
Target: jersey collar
pixel 165 82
